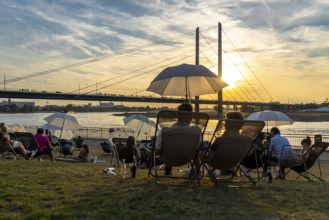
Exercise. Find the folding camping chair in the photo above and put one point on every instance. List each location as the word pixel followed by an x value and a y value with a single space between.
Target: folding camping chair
pixel 314 153
pixel 180 137
pixel 231 142
pixel 28 141
pixel 110 150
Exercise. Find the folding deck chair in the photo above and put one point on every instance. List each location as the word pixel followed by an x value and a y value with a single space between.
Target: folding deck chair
pixel 231 142
pixel 304 169
pixel 27 140
pixel 180 136
pixel 119 143
pixel 6 148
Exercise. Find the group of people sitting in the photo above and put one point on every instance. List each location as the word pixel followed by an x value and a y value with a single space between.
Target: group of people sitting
pixel 44 142
pixel 277 148
pixel 272 150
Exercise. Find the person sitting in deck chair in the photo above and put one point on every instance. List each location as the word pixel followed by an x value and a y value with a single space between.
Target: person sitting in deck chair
pixel 44 145
pixel 130 152
pixel 50 137
pixel 16 145
pixel 281 147
pixel 229 132
pixel 306 145
pixel 182 124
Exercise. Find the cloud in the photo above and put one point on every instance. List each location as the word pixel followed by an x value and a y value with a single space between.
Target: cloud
pixel 278 39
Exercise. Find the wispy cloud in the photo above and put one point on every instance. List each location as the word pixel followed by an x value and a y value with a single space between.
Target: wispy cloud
pixel 285 42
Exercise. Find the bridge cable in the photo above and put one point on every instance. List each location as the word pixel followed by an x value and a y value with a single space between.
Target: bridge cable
pixel 248 65
pixel 138 75
pixel 224 63
pixel 226 53
pixel 212 66
pixel 238 70
pixel 134 71
pixel 95 59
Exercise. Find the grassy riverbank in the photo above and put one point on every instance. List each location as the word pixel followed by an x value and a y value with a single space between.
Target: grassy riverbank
pixel 34 190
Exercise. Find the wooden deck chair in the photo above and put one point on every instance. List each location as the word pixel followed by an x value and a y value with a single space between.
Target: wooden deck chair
pixel 6 149
pixel 314 153
pixel 231 142
pixel 180 135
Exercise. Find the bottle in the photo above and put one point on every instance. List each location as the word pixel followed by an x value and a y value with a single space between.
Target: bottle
pixel 123 168
pixel 133 170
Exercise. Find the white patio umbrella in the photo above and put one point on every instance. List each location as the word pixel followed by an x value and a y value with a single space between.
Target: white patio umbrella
pixel 186 80
pixel 62 121
pixel 271 118
pixel 142 125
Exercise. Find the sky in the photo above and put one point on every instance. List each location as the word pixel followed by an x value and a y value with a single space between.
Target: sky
pixel 273 50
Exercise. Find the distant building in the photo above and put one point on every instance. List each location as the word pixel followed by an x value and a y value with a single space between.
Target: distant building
pixel 18 104
pixel 106 105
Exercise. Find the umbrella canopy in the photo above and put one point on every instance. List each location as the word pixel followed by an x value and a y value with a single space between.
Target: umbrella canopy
pixel 186 80
pixel 16 128
pixel 61 121
pixel 271 118
pixel 142 125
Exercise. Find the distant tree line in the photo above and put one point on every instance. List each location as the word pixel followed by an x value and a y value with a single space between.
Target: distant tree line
pixel 54 108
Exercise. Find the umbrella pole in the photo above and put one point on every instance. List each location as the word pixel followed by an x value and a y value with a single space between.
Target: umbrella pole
pixel 60 135
pixel 140 130
pixel 186 88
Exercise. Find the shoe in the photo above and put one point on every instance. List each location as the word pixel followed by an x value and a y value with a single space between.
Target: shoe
pixel 268 177
pixel 167 171
pixel 280 177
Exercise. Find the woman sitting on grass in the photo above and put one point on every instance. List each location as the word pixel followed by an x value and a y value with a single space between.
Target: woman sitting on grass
pixel 84 154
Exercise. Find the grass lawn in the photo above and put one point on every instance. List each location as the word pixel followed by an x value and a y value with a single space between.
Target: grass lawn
pixel 34 190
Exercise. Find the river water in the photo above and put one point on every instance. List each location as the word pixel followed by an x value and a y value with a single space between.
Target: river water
pixel 106 120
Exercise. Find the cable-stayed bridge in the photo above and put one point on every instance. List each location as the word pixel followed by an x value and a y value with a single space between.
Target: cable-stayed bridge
pixel 248 88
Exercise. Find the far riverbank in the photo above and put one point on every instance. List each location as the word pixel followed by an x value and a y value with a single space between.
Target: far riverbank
pixel 296 116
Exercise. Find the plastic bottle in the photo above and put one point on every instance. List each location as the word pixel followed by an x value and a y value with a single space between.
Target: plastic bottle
pixel 123 169
pixel 133 170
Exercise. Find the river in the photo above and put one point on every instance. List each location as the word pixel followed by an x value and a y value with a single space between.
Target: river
pixel 106 120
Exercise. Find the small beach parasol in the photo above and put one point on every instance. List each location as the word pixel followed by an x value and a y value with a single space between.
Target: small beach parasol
pixel 62 121
pixel 16 128
pixel 186 80
pixel 271 118
pixel 142 125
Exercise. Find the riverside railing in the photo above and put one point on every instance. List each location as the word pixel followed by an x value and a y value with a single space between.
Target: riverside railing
pixel 103 133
